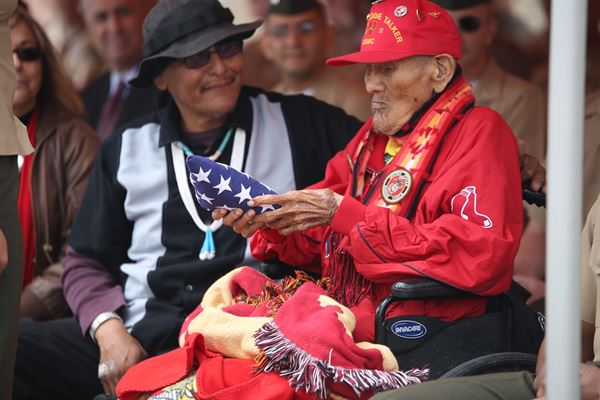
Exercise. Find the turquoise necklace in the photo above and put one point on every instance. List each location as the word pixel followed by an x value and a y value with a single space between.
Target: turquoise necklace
pixel 207 250
pixel 217 153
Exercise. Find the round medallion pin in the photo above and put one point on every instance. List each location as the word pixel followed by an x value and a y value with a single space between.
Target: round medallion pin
pixel 396 186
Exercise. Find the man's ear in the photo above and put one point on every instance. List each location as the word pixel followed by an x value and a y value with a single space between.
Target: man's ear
pixel 444 66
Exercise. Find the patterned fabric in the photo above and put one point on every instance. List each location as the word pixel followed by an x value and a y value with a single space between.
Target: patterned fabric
pixel 219 186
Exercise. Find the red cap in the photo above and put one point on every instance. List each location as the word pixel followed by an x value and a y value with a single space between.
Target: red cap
pixel 398 29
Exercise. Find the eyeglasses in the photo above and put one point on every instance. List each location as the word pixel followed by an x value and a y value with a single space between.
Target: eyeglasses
pixel 469 23
pixel 303 28
pixel 27 54
pixel 224 50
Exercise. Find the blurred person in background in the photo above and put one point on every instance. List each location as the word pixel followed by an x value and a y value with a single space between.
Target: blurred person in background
pixel 63 24
pixel 13 142
pixel 53 180
pixel 297 39
pixel 521 103
pixel 258 70
pixel 115 27
pixel 530 262
pixel 347 18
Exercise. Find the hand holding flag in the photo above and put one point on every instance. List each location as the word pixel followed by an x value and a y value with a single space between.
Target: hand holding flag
pixel 219 186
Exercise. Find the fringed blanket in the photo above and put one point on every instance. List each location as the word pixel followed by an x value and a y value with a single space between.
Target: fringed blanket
pixel 254 338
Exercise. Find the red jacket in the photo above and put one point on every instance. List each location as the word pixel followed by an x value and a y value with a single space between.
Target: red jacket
pixel 465 232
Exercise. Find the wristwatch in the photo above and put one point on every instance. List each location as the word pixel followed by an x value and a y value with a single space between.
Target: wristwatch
pixel 100 319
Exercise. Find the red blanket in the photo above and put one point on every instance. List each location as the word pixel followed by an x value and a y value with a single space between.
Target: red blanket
pixel 253 338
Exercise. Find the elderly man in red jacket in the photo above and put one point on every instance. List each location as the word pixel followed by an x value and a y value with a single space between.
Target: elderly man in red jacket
pixel 429 186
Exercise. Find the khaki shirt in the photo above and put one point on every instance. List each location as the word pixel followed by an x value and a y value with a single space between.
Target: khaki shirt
pixel 591 150
pixel 13 134
pixel 590 273
pixel 591 159
pixel 521 104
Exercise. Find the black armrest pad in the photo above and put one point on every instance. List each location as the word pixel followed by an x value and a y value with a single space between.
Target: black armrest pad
pixel 423 288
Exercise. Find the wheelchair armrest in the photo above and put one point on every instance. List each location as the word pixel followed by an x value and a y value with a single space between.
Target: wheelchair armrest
pixel 531 197
pixel 413 289
pixel 424 288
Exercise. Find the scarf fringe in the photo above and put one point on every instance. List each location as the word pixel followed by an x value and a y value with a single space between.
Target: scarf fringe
pixel 275 294
pixel 305 372
pixel 347 285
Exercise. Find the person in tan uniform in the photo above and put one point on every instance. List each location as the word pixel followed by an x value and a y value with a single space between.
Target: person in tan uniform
pixel 13 141
pixel 521 103
pixel 297 38
pixel 591 149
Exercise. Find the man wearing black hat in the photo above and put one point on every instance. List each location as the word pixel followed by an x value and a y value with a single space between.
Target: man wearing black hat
pixel 297 38
pixel 134 269
pixel 520 103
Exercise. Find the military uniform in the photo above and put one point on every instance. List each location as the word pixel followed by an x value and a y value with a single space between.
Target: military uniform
pixel 520 103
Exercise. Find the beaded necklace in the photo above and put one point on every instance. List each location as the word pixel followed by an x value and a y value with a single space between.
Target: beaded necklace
pixel 208 249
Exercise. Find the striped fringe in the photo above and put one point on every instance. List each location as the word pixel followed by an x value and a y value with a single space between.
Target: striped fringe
pixel 305 372
pixel 275 294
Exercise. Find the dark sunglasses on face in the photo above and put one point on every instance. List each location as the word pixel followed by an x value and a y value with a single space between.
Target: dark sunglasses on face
pixel 469 23
pixel 224 50
pixel 28 53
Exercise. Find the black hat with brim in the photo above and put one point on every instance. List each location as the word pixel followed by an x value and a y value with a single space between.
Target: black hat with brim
pixel 181 28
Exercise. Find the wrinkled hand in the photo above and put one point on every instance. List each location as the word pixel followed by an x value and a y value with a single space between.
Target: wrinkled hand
pixel 3 252
pixel 532 171
pixel 300 209
pixel 118 351
pixel 242 223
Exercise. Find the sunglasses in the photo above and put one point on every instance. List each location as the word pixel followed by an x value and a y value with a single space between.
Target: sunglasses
pixel 224 50
pixel 304 28
pixel 28 54
pixel 469 23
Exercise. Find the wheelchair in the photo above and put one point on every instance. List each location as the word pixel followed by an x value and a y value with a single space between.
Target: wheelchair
pixel 506 338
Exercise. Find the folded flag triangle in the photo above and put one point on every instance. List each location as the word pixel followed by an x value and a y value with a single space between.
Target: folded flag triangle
pixel 218 185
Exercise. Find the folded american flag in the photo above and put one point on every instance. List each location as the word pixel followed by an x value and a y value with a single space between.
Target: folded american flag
pixel 220 186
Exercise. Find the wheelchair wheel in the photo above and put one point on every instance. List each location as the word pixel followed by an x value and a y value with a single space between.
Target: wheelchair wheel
pixel 497 362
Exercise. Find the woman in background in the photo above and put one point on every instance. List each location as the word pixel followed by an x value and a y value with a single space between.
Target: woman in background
pixel 53 179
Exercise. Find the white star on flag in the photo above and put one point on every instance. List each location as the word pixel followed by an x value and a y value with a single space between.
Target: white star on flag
pixel 223 185
pixel 206 198
pixel 201 176
pixel 267 207
pixel 213 185
pixel 244 194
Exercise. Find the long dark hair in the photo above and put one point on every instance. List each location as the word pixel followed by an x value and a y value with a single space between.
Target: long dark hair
pixel 56 89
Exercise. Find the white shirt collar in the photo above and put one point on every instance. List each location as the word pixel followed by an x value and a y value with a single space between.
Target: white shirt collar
pixel 117 77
